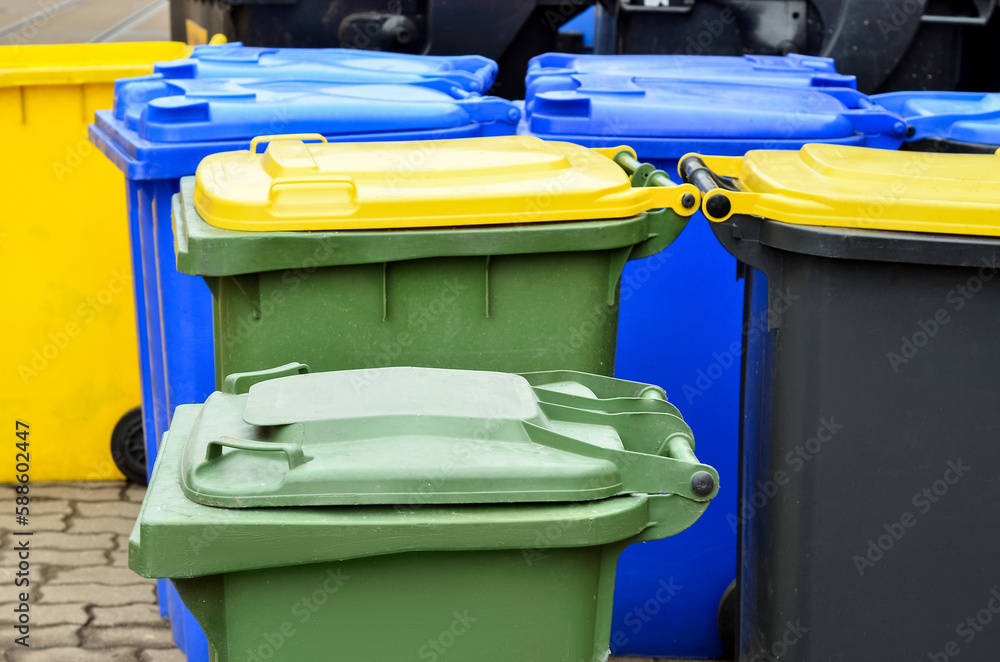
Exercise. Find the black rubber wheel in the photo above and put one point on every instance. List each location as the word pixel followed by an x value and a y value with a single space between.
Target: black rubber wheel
pixel 128 448
pixel 726 619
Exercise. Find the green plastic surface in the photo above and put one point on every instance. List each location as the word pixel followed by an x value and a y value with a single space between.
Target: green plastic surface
pixel 526 582
pixel 510 298
pixel 423 435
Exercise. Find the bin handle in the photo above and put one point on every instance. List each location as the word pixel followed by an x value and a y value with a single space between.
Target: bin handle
pixel 293 452
pixel 720 198
pixel 680 446
pixel 238 383
pixel 286 136
pixel 683 199
pixel 299 196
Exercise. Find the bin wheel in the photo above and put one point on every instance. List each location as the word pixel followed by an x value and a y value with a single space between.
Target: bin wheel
pixel 726 619
pixel 128 448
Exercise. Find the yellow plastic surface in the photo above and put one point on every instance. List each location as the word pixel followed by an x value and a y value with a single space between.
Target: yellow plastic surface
pixel 295 185
pixel 68 360
pixel 858 187
pixel 80 64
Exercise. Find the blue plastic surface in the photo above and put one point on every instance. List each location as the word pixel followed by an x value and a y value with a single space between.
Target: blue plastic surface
pixel 968 117
pixel 161 129
pixel 582 23
pixel 681 311
pixel 474 73
pixel 664 119
pixel 187 633
pixel 553 71
pixel 679 327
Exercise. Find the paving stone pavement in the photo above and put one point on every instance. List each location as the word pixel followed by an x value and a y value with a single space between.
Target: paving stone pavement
pixel 86 605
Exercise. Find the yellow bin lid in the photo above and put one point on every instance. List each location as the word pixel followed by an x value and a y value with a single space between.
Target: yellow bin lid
pixel 862 188
pixel 76 64
pixel 295 185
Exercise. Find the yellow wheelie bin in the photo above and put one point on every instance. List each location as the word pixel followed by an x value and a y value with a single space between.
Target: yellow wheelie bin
pixel 70 379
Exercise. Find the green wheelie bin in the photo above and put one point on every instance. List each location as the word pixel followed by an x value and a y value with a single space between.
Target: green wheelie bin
pixel 413 513
pixel 501 253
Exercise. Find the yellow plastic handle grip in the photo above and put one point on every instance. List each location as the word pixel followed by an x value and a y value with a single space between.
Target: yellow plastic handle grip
pixel 310 197
pixel 287 136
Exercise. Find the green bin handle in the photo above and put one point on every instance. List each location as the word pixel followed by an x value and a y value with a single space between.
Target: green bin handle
pixel 293 452
pixel 240 382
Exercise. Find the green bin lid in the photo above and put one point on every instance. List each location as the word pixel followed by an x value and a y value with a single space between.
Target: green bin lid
pixel 431 436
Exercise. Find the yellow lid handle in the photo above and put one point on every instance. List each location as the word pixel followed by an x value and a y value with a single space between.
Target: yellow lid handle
pixel 287 136
pixel 313 197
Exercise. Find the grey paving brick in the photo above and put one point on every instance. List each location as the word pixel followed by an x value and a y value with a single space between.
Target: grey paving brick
pixel 38 506
pixel 54 636
pixel 122 525
pixel 135 493
pixel 121 542
pixel 140 614
pixel 56 557
pixel 143 636
pixel 66 541
pixel 110 491
pixel 98 594
pixel 74 655
pixel 67 614
pixel 127 509
pixel 162 655
pixel 38 523
pixel 100 574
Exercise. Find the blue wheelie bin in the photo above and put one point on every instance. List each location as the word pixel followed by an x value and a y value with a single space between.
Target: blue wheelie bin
pixel 559 71
pixel 668 593
pixel 473 73
pixel 958 122
pixel 159 131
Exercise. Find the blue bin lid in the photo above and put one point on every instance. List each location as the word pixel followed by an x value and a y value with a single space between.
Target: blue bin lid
pixel 968 117
pixel 163 128
pixel 667 119
pixel 555 71
pixel 474 73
